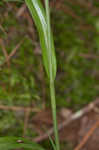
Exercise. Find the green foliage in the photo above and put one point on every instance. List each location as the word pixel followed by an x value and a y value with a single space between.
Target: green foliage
pixel 42 21
pixel 27 89
pixel 77 79
pixel 8 143
pixel 39 16
pixel 75 70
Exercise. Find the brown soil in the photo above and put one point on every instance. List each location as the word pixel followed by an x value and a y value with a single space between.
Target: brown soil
pixel 75 132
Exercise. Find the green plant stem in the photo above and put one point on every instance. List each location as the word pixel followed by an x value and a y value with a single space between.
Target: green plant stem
pixel 52 89
pixel 53 105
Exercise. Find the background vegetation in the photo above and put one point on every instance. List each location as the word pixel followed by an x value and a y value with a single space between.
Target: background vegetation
pixel 22 78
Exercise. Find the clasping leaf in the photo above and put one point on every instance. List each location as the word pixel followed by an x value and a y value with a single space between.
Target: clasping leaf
pixel 39 16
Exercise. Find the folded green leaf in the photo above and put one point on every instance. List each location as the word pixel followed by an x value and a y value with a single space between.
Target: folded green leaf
pixel 39 16
pixel 9 143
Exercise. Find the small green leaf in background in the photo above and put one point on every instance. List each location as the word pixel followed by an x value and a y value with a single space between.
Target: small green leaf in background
pixel 9 143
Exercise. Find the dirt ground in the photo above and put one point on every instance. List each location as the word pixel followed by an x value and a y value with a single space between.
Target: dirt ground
pixel 82 133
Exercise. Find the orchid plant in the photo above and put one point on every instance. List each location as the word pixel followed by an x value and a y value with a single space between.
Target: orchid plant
pixel 41 17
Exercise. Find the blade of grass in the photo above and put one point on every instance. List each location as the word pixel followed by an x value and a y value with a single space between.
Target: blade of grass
pixel 53 104
pixel 52 89
pixel 52 142
pixel 38 13
pixel 42 21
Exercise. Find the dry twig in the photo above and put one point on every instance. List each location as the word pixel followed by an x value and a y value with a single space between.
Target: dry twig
pixel 72 117
pixel 87 136
pixel 5 52
pixel 8 57
pixel 17 108
pixel 21 10
pixel 89 56
pixel 2 29
pixel 26 119
pixel 27 111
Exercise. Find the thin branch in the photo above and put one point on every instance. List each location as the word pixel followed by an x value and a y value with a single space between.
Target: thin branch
pixel 18 108
pixel 5 52
pixel 89 56
pixel 21 10
pixel 72 117
pixel 87 136
pixel 26 120
pixel 2 29
pixel 12 53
